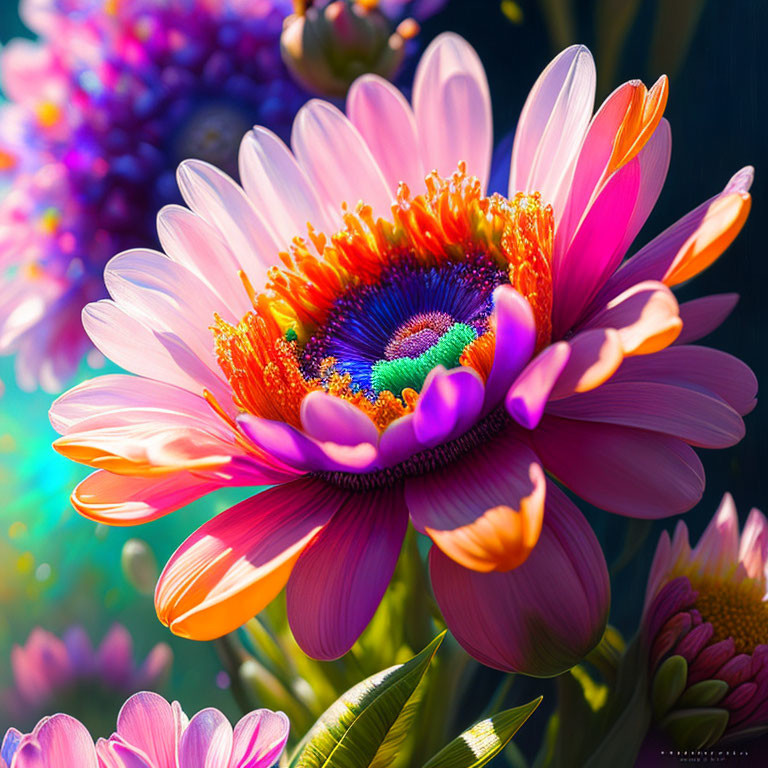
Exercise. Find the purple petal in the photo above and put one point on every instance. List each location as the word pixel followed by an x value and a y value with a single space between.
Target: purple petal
pixel 207 741
pixel 259 739
pixel 339 580
pixel 541 618
pixel 146 722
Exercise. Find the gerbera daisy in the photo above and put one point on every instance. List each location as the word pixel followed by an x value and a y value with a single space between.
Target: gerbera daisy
pixel 101 110
pixel 430 354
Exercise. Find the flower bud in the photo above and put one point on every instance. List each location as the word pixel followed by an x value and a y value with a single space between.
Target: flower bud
pixel 706 623
pixel 139 565
pixel 328 47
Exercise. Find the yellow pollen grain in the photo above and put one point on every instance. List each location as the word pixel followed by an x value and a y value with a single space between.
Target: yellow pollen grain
pixel 735 610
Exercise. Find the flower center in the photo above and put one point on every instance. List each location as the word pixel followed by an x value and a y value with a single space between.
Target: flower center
pixel 366 314
pixel 737 610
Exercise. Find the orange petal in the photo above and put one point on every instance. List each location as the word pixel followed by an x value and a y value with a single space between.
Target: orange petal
pixel 236 564
pixel 722 223
pixel 485 513
pixel 644 112
pixel 595 357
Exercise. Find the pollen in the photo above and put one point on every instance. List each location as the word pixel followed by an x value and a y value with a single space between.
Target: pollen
pixel 736 610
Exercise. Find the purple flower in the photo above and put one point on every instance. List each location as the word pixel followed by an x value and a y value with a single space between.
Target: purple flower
pixel 49 671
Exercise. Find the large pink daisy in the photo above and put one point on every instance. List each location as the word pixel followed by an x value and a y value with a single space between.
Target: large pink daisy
pixel 425 352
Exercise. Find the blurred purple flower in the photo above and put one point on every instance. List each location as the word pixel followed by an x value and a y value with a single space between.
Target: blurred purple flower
pixel 49 672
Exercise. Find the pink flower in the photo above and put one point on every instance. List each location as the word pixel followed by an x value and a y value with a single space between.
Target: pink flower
pixel 706 622
pixel 151 733
pixel 48 670
pixel 430 357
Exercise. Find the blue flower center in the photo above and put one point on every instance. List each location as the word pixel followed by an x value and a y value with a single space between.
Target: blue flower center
pixel 390 335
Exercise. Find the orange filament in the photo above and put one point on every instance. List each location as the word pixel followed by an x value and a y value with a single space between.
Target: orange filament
pixel 260 356
pixel 735 609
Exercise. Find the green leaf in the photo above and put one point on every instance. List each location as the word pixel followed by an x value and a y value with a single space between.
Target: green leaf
pixel 356 728
pixel 668 684
pixel 707 693
pixel 696 728
pixel 484 740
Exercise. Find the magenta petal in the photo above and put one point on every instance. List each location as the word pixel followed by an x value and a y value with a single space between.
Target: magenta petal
pixel 710 660
pixel 528 396
pixel 398 441
pixel 155 668
pixel 294 448
pixel 700 418
pixel 339 580
pixel 691 645
pixel 206 741
pixel 80 650
pixel 515 341
pixel 146 722
pixel 259 739
pixel 708 370
pixel 541 618
pixel 115 753
pixel 449 404
pixel 736 671
pixel 628 471
pixel 582 266
pixel 331 419
pixel 701 316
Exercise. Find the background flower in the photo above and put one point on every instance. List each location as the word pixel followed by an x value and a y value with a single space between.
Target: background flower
pixel 706 624
pixel 67 674
pixel 151 733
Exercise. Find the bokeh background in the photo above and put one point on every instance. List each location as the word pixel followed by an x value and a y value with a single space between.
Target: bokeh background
pixel 57 569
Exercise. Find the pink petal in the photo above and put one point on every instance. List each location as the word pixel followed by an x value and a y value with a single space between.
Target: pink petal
pixel 117 391
pixel 41 666
pixel 697 367
pixel 155 669
pixel 385 120
pixel 449 404
pixel 192 242
pixel 646 316
pixel 701 316
pixel 699 418
pixel 237 563
pixel 552 126
pixel 718 547
pixel 484 511
pixel 130 344
pixel 655 260
pixel 753 547
pixel 147 722
pixel 113 753
pixel 59 742
pixel 291 446
pixel 541 618
pixel 450 89
pixel 259 739
pixel 628 471
pixel 593 159
pixel 206 741
pixel 528 396
pixel 337 160
pixel 595 357
pixel 654 160
pixel 120 500
pixel 213 196
pixel 275 182
pixel 582 266
pixel 515 341
pixel 330 419
pixel 339 580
